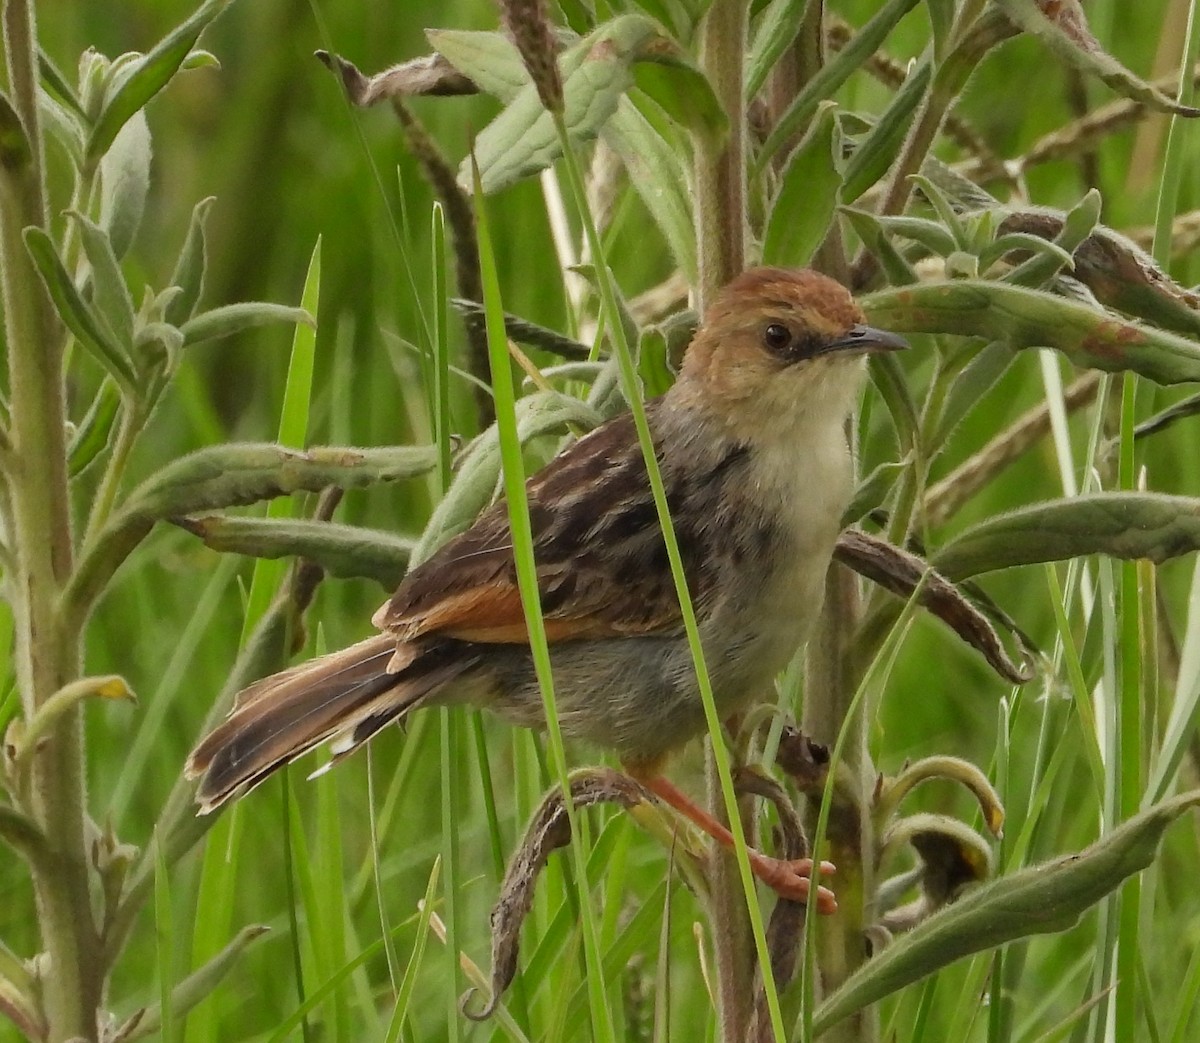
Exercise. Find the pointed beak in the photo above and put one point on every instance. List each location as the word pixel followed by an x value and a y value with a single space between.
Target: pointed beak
pixel 866 338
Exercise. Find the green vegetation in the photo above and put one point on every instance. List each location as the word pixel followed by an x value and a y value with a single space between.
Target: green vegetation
pixel 1005 163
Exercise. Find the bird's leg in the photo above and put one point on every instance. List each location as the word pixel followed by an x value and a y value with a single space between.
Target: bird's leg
pixel 788 879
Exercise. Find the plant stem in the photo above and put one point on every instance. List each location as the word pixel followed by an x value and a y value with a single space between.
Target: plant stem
pixel 720 202
pixel 47 653
pixel 949 79
pixel 829 688
pixel 721 169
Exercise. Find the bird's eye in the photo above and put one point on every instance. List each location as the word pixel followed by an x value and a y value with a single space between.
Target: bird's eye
pixel 777 337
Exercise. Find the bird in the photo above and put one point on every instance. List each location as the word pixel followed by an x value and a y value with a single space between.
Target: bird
pixel 752 448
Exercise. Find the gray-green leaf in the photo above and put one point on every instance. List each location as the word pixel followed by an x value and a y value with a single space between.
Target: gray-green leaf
pixel 190 268
pixel 110 295
pixel 125 183
pixel 75 312
pixel 237 318
pixel 803 209
pixel 523 140
pixel 1039 900
pixel 1124 525
pixel 1029 318
pixel 150 74
pixel 341 550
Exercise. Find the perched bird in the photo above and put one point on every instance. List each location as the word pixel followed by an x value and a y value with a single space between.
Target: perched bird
pixel 752 447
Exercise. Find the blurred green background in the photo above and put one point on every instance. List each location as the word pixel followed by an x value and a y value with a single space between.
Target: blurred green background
pixel 270 135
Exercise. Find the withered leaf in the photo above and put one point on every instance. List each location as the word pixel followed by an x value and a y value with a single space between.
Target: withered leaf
pixel 429 74
pixel 548 831
pixel 901 573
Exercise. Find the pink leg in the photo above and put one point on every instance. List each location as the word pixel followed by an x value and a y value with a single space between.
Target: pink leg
pixel 788 879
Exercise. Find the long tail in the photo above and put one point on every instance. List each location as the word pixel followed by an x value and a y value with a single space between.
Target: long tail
pixel 346 696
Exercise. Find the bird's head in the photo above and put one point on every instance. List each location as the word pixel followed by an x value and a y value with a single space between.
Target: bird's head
pixel 780 343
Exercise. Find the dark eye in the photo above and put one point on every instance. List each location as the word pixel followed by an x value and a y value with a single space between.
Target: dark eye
pixel 777 337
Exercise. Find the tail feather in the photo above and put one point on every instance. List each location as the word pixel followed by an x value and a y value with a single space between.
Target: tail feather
pixel 283 716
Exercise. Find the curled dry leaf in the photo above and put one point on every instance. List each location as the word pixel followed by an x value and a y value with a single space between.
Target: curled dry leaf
pixel 1119 272
pixel 1062 26
pixel 952 856
pixel 805 761
pixel 901 573
pixel 429 74
pixel 549 831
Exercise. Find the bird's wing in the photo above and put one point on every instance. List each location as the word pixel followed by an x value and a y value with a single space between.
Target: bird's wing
pixel 602 564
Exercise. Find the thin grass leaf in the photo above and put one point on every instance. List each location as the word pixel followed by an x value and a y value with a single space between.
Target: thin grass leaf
pixel 408 984
pixel 526 568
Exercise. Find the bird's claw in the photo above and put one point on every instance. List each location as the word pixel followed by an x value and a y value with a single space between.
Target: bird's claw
pixel 793 879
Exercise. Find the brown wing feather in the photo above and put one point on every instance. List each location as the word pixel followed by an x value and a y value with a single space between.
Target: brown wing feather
pixel 601 560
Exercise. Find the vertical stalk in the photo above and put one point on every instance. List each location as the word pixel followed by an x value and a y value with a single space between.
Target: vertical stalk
pixel 720 201
pixel 829 688
pixel 47 653
pixel 721 168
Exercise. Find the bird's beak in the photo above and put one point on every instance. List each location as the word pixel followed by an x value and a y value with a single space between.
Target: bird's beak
pixel 866 338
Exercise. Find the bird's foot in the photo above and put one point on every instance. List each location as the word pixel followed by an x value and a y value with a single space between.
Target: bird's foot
pixel 793 879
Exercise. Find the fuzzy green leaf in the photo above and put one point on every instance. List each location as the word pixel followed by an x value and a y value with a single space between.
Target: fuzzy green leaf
pixel 14 145
pixel 683 91
pixel 194 988
pixel 773 36
pixel 237 318
pixel 474 485
pixel 341 550
pixel 1027 318
pixel 488 59
pixel 888 378
pixel 75 312
pixel 1043 899
pixel 243 473
pixel 232 475
pixel 190 268
pixel 808 194
pixel 1122 525
pixel 92 434
pixel 596 73
pixel 638 131
pixel 869 229
pixel 656 160
pixel 125 183
pixel 931 235
pixel 64 125
pixel 834 73
pixel 873 490
pixel 977 378
pixel 875 154
pixel 110 295
pixel 150 74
